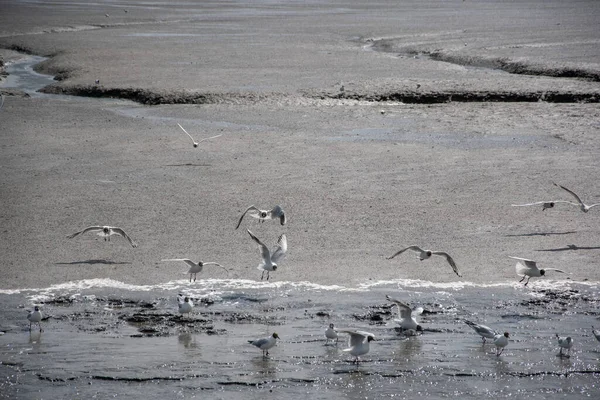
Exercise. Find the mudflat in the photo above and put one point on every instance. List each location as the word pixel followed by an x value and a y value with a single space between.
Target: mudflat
pixel 375 125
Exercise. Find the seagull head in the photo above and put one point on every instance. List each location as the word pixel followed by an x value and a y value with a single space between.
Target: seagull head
pixel 274 267
pixel 263 214
pixel 105 229
pixel 331 326
pixel 419 328
pixel 36 308
pixel 370 338
pixel 506 334
pixel 547 205
pixel 542 272
pixel 195 144
pixel 187 300
pixel 275 335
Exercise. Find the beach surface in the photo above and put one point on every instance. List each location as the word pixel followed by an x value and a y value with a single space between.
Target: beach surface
pixel 375 125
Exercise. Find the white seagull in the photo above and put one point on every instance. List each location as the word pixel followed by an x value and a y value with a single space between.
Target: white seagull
pixel 359 343
pixel 406 321
pixel 596 333
pixel 262 215
pixel 528 269
pixel 106 232
pixel 195 268
pixel 564 343
pixel 193 140
pixel 484 331
pixel 265 343
pixel 425 254
pixel 270 260
pixel 582 206
pixel 35 317
pixel 501 341
pixel 331 334
pixel 185 306
pixel 545 204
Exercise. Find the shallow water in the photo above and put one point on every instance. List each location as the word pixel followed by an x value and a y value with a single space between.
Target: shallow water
pixel 103 337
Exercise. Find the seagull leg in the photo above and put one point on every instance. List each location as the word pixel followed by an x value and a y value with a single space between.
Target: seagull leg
pixel 195 276
pixel 268 275
pixel 528 278
pixel 30 327
pixel 483 339
pixel 190 277
pixel 40 325
pixel 262 275
pixel 523 278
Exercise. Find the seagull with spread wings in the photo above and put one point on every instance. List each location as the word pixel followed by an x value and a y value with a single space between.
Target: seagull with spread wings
pixel 582 206
pixel 274 213
pixel 425 254
pixel 105 232
pixel 358 343
pixel 270 260
pixel 195 268
pixel 407 320
pixel 528 269
pixel 193 140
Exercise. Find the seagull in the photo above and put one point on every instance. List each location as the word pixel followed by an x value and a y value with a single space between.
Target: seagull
pixel 197 143
pixel 482 330
pixel 565 343
pixel 529 269
pixel 106 232
pixel 269 260
pixel 330 334
pixel 501 341
pixel 545 204
pixel 195 267
pixel 185 306
pixel 265 343
pixel 425 254
pixel 582 206
pixel 596 334
pixel 35 317
pixel 406 321
pixel 359 343
pixel 262 215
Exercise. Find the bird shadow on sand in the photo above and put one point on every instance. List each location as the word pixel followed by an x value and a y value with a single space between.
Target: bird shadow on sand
pixel 541 234
pixel 572 247
pixel 93 261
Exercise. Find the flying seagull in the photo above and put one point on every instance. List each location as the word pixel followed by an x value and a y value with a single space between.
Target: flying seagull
pixel 582 206
pixel 484 331
pixel 528 269
pixel 35 317
pixel 407 320
pixel 269 260
pixel 265 343
pixel 359 343
pixel 194 141
pixel 195 268
pixel 262 215
pixel 425 254
pixel 106 232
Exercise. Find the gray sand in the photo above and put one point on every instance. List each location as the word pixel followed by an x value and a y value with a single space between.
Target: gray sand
pixel 358 179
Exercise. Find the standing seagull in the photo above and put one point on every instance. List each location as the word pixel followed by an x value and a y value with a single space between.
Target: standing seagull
pixel 406 321
pixel 565 343
pixel 262 215
pixel 482 330
pixel 35 317
pixel 265 343
pixel 269 261
pixel 195 267
pixel 425 254
pixel 194 141
pixel 501 341
pixel 185 306
pixel 596 334
pixel 582 206
pixel 330 334
pixel 359 343
pixel 106 232
pixel 528 269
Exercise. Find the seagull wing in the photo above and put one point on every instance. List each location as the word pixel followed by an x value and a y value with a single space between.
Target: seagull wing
pixel 403 309
pixel 208 138
pixel 449 259
pixel 244 213
pixel 356 337
pixel 185 260
pixel 415 248
pixel 277 212
pixel 280 249
pixel 259 342
pixel 264 250
pixel 88 229
pixel 121 232
pixel 187 133
pixel 525 261
pixel 217 264
pixel 482 329
pixel 554 269
pixel 571 192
